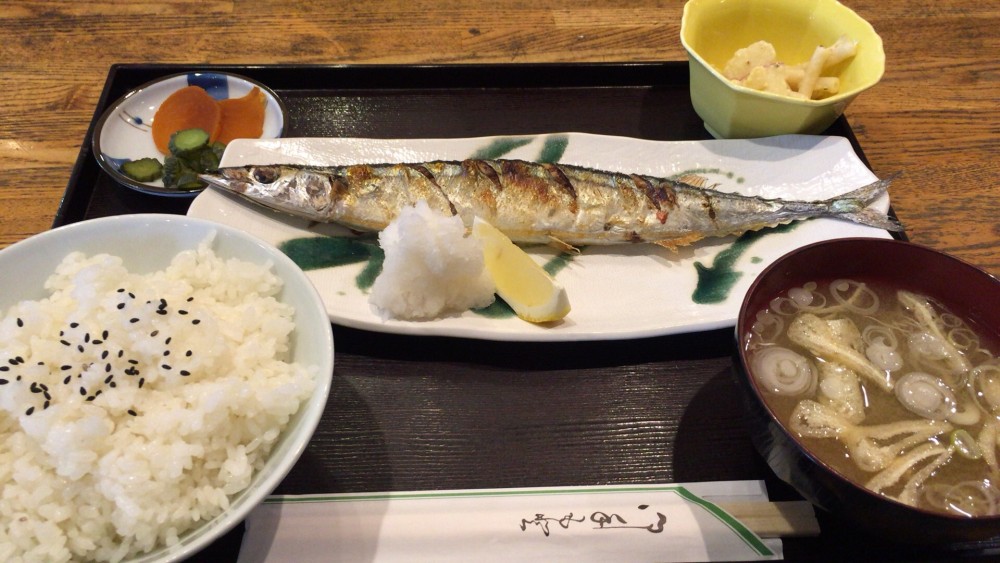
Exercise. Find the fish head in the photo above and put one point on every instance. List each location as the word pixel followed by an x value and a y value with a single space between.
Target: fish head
pixel 304 192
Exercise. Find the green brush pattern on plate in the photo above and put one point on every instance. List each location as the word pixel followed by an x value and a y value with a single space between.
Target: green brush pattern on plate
pixel 716 281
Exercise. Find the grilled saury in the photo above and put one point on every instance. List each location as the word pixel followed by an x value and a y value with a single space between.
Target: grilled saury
pixel 535 202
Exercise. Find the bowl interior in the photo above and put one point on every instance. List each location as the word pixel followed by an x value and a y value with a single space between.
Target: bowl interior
pixel 967 291
pixel 123 132
pixel 147 243
pixel 713 30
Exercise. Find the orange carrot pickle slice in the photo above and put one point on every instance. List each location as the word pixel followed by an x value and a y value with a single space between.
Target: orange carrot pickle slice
pixel 188 108
pixel 242 118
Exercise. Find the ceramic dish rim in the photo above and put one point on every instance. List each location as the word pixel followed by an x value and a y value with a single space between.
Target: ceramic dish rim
pixel 117 176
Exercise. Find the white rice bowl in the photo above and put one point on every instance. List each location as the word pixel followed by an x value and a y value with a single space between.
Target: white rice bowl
pixel 235 365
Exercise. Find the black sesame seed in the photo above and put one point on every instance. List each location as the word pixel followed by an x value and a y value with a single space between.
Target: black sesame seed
pixel 98 393
pixel 74 325
pixel 4 368
pixel 141 381
pixel 133 320
pixel 4 382
pixel 121 353
pixel 43 387
pixel 161 312
pixel 196 321
pixel 182 311
pixel 132 412
pixel 104 335
pixel 97 341
pixel 18 378
pixel 64 343
pixel 190 299
pixel 107 368
pixel 67 380
pixel 46 405
pixel 121 306
pixel 154 333
pixel 132 295
pixel 121 290
pixel 86 337
pixel 134 362
pixel 12 361
pixel 166 352
pixel 29 411
pixel 108 378
pixel 83 390
pixel 185 372
pixel 91 398
pixel 20 323
pixel 79 347
pixel 35 388
pixel 47 397
pixel 167 341
pixel 113 384
pixel 188 353
pixel 166 366
pixel 104 355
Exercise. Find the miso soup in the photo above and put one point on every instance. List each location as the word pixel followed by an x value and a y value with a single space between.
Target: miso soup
pixel 888 387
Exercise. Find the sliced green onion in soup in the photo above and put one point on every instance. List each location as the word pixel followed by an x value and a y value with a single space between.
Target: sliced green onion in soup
pixel 783 372
pixel 965 444
pixel 925 395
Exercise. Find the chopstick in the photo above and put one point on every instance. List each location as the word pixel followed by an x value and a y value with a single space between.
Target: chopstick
pixel 775 519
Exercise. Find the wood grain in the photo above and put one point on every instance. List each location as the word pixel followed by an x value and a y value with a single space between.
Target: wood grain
pixel 412 414
pixel 933 117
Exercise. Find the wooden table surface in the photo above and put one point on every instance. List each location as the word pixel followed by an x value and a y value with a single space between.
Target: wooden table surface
pixel 933 117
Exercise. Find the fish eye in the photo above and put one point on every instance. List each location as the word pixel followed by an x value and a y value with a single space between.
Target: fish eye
pixel 265 174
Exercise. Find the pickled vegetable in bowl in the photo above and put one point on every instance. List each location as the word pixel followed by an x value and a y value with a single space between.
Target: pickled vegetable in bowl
pixel 712 31
pixel 757 66
pixel 138 127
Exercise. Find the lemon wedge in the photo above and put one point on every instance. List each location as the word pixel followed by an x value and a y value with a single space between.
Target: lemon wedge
pixel 520 281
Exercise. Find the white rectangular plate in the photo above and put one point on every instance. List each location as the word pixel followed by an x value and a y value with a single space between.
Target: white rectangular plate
pixel 618 292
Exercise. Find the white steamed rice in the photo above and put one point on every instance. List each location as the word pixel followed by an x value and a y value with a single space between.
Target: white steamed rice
pixel 133 406
pixel 431 268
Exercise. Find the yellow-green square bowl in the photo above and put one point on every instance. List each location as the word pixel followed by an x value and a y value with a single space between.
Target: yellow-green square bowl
pixel 713 30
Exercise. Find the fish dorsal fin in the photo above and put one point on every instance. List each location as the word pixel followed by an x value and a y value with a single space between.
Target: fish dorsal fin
pixel 562 246
pixel 693 180
pixel 674 243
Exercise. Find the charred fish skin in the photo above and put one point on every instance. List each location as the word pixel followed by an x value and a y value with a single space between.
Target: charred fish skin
pixel 534 202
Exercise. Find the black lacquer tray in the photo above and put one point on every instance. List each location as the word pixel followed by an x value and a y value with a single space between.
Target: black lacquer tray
pixel 418 413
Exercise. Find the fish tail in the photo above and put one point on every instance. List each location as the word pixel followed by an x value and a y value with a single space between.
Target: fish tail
pixel 853 206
